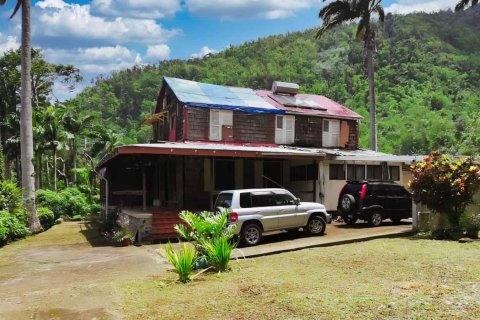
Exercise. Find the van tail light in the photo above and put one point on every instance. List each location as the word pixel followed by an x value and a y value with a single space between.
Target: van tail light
pixel 233 217
pixel 363 191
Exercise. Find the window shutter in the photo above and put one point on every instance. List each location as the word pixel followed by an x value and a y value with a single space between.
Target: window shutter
pixel 215 125
pixel 279 139
pixel 289 130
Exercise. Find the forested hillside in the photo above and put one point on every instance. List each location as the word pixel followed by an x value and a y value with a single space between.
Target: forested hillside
pixel 427 77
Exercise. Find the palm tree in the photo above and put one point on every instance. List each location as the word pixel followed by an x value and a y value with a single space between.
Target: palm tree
pixel 341 11
pixel 75 125
pixel 26 131
pixel 462 4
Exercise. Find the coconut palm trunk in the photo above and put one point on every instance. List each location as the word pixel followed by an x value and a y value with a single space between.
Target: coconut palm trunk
pixel 370 47
pixel 26 132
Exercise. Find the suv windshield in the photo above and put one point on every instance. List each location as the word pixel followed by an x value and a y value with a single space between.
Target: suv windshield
pixel 224 200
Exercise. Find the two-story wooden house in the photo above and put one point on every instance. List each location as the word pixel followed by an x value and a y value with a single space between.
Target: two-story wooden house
pixel 208 138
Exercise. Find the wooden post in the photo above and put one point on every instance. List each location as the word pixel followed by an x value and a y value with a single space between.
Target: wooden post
pixel 144 188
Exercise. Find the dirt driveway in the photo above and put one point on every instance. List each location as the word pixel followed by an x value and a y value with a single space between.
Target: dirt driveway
pixel 68 272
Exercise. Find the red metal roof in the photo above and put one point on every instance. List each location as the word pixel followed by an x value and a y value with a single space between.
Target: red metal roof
pixel 333 109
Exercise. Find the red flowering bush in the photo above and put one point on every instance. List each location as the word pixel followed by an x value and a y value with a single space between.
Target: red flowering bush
pixel 444 184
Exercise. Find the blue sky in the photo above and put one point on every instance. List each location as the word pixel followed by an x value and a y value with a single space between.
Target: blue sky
pixel 100 36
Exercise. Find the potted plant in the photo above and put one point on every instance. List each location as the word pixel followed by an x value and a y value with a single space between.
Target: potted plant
pixel 123 236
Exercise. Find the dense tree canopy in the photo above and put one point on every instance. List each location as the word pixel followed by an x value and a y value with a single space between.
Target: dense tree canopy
pixel 427 74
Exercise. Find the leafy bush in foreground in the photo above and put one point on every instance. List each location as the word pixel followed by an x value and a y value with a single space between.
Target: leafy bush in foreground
pixel 212 237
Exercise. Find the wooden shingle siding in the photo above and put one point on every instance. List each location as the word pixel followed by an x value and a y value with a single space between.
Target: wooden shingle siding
pixel 198 124
pixel 258 128
pixel 352 135
pixel 308 131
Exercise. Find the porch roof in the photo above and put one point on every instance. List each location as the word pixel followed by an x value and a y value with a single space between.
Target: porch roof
pixel 217 150
pixel 369 155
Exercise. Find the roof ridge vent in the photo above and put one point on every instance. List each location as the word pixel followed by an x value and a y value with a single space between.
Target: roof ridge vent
pixel 285 88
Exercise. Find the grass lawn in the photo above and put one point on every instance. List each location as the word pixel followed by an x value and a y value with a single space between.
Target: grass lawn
pixel 386 278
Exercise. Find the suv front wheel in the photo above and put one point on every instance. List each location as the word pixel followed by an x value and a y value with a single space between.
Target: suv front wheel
pixel 315 226
pixel 251 234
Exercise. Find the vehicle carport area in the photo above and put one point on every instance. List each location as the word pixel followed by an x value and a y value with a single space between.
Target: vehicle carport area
pixel 337 233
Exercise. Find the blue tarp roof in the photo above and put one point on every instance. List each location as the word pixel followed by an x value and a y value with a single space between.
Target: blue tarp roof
pixel 204 95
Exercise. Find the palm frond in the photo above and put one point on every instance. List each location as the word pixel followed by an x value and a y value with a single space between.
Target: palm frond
pixel 461 5
pixel 2 2
pixel 17 6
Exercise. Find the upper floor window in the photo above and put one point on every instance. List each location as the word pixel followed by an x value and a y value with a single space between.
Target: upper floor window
pixel 284 129
pixel 221 125
pixel 331 133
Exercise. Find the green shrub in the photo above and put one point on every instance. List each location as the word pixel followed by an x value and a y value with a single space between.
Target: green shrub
pixel 211 235
pixel 68 202
pixel 11 228
pixel 11 199
pixel 53 201
pixel 182 260
pixel 46 217
pixel 218 251
pixel 77 203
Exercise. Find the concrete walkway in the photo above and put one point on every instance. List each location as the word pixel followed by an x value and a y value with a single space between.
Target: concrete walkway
pixel 336 234
pixel 70 272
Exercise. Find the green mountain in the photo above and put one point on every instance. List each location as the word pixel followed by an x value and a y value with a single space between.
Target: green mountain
pixel 427 77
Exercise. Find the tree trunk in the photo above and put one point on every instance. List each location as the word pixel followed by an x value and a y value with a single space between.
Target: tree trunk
pixel 370 46
pixel 26 134
pixel 55 169
pixel 74 149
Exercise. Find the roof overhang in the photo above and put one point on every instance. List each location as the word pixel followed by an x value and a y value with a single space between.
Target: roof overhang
pixel 156 117
pixel 216 150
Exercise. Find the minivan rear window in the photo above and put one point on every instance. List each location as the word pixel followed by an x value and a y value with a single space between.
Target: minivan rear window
pixel 224 200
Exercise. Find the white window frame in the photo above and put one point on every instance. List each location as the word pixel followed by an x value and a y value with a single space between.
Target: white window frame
pixel 218 119
pixel 284 129
pixel 331 133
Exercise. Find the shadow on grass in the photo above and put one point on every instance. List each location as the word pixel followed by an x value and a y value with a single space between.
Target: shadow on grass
pixel 91 232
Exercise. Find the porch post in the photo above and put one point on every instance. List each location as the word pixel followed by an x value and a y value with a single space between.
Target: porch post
pixel 144 188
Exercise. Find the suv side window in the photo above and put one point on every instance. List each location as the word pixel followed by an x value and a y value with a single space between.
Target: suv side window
pixel 245 200
pixel 284 199
pixel 400 191
pixel 263 200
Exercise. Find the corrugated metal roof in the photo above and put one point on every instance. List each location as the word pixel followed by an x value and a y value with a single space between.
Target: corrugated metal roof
pixel 331 109
pixel 213 96
pixel 368 155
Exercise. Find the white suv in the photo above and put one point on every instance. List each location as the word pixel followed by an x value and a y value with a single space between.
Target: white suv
pixel 255 211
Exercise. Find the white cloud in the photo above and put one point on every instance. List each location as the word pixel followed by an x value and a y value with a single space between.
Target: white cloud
pixel 241 9
pixel 149 9
pixel 58 23
pixel 95 60
pixel 408 6
pixel 8 43
pixel 157 52
pixel 203 52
